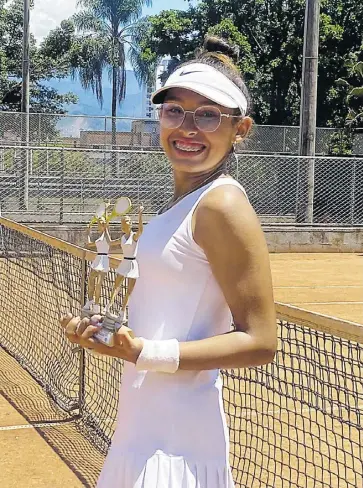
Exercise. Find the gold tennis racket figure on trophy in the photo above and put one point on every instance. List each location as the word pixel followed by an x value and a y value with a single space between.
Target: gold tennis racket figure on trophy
pixel 101 264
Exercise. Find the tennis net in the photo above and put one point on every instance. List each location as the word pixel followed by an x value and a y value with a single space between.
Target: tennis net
pixel 294 423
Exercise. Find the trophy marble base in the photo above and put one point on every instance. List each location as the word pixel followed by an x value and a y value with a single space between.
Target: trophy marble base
pixel 86 313
pixel 90 310
pixel 110 325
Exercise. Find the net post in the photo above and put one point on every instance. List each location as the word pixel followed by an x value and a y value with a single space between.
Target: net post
pixel 82 359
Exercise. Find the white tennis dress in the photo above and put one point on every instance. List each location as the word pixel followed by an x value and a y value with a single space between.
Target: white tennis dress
pixel 129 266
pixel 171 429
pixel 102 261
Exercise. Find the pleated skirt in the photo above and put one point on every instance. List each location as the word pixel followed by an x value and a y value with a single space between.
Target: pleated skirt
pixel 129 470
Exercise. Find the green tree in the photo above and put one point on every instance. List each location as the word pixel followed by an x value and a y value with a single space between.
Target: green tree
pixel 45 64
pixel 355 96
pixel 342 142
pixel 42 66
pixel 106 33
pixel 271 42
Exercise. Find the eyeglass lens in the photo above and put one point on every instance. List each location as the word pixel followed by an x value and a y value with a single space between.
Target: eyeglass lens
pixel 206 119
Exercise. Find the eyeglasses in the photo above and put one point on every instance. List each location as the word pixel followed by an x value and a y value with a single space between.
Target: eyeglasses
pixel 206 118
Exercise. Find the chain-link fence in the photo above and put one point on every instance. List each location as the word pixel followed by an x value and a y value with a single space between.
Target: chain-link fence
pixel 65 185
pixel 127 133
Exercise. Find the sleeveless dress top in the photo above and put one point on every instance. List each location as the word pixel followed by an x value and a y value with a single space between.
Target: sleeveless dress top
pixel 102 261
pixel 129 266
pixel 171 428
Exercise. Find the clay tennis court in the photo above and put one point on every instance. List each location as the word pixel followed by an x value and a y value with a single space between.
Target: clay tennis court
pixel 331 284
pixel 58 456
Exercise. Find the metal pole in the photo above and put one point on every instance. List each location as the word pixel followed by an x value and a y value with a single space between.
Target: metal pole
pixel 25 101
pixel 284 141
pixel 2 160
pixel 39 130
pixel 30 152
pixel 82 358
pixel 352 208
pixel 105 141
pixel 309 96
pixel 61 206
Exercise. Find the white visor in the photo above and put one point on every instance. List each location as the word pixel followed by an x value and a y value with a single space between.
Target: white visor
pixel 206 81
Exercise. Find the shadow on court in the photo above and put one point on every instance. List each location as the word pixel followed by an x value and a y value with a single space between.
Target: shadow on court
pixel 32 403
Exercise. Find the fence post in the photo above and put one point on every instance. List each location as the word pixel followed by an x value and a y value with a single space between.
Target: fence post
pixel 352 208
pixel 82 359
pixel 38 197
pixel 30 161
pixel 24 163
pixel 105 141
pixel 82 197
pixel 311 191
pixel 61 207
pixel 297 202
pixel 284 141
pixel 39 129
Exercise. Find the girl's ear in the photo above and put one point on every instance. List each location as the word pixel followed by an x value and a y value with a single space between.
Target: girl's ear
pixel 244 127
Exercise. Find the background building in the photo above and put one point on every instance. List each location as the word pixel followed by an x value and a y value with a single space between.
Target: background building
pixel 148 108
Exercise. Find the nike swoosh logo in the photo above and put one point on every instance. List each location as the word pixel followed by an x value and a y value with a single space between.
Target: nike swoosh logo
pixel 189 72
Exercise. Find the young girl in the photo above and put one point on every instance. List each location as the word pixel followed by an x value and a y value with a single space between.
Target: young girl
pixel 203 265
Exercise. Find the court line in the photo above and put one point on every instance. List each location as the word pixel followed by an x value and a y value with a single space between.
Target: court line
pixel 327 303
pixel 33 426
pixel 315 287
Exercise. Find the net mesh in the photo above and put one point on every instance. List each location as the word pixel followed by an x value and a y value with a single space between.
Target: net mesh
pixel 37 281
pixel 296 422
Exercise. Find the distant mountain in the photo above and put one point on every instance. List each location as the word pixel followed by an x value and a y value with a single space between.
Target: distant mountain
pixel 88 105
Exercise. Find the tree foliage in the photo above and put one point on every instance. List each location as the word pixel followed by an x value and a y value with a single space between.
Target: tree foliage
pixel 355 91
pixel 270 36
pixel 105 34
pixel 342 141
pixel 42 66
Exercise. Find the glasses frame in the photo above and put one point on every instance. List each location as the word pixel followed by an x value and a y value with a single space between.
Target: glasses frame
pixel 229 116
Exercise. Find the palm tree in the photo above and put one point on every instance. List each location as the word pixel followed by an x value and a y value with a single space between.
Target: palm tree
pixel 108 30
pixel 355 105
pixel 355 116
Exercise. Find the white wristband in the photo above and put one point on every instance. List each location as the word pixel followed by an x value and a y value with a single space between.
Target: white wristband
pixel 159 356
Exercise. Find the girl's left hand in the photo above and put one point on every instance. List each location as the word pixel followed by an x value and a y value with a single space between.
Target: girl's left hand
pixel 82 331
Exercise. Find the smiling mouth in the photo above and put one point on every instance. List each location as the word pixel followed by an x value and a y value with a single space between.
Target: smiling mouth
pixel 191 148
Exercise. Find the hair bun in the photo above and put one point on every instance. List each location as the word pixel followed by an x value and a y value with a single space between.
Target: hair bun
pixel 214 44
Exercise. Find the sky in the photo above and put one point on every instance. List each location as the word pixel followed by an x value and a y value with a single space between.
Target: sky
pixel 47 14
